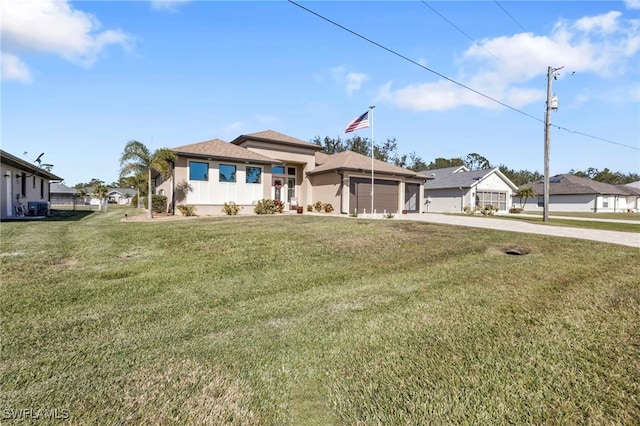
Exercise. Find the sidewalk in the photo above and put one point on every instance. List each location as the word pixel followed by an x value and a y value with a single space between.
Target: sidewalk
pixel 630 239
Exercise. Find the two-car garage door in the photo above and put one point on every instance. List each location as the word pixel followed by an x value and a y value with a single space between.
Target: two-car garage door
pixel 385 196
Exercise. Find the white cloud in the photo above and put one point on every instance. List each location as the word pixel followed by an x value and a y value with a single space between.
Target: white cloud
pixel 55 27
pixel 167 5
pixel 606 23
pixel 600 45
pixel 632 4
pixel 14 69
pixel 352 81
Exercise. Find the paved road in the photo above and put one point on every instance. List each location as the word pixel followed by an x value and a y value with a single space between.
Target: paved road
pixel 630 239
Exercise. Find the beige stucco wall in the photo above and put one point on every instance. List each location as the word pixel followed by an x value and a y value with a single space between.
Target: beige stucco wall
pixel 291 156
pixel 326 189
pixel 209 196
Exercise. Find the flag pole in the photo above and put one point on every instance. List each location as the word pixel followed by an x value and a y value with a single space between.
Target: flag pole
pixel 372 149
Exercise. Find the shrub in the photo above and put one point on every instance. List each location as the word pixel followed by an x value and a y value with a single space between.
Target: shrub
pixel 231 209
pixel 515 210
pixel 317 206
pixel 355 213
pixel 187 209
pixel 158 203
pixel 489 210
pixel 268 206
pixel 328 208
pixel 388 216
pixel 309 208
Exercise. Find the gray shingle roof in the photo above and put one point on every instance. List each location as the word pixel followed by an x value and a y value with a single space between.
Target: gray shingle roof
pixel 60 188
pixel 220 149
pixel 349 160
pixel 457 177
pixel 272 136
pixel 568 184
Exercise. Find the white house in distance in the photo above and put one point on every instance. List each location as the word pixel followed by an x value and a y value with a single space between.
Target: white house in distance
pixel 271 165
pixel 452 189
pixel 570 193
pixel 25 187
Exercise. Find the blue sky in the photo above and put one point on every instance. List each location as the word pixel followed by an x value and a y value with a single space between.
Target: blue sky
pixel 80 79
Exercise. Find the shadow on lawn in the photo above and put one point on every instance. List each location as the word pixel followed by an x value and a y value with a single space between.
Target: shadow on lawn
pixel 57 216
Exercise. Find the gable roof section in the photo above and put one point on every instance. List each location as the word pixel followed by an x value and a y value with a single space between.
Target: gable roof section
pixel 568 184
pixel 275 137
pixel 455 177
pixel 60 188
pixel 221 150
pixel 13 161
pixel 349 160
pixel 629 190
pixel 122 191
pixel 439 173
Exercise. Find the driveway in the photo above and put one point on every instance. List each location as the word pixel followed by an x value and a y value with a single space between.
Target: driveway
pixel 630 239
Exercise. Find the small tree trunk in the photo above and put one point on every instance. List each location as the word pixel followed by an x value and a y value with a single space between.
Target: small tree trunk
pixel 149 198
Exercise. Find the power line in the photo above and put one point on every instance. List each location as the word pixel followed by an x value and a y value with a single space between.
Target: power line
pixel 509 15
pixel 415 63
pixel 458 28
pixel 393 52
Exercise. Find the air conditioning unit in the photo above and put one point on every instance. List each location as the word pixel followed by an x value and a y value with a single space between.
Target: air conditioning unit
pixel 38 208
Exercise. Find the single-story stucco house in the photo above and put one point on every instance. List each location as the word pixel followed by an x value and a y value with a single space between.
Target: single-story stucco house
pixel 452 189
pixel 61 194
pixel 271 165
pixel 570 193
pixel 25 189
pixel 122 196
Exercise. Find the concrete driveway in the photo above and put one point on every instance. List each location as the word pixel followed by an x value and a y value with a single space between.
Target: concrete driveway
pixel 630 239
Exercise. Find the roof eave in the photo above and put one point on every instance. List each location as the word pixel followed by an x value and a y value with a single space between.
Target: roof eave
pixel 226 158
pixel 244 138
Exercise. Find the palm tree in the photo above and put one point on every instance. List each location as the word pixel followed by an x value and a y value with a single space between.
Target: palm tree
pixel 137 158
pixel 525 192
pixel 101 192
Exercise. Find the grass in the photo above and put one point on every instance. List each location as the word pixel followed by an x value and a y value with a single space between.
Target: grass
pixel 604 215
pixel 298 319
pixel 582 223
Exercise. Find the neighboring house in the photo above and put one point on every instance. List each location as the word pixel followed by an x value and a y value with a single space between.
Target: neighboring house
pixel 61 194
pixel 121 195
pixel 275 166
pixel 25 189
pixel 632 201
pixel 570 193
pixel 452 189
pixel 635 188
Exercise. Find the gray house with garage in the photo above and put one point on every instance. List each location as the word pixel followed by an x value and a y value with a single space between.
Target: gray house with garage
pixel 456 189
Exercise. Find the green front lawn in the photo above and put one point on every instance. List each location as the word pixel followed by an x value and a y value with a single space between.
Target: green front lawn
pixel 300 319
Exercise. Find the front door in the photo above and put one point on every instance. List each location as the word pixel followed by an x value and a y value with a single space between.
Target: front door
pixel 278 187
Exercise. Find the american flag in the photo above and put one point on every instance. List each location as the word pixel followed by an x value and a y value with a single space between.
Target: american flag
pixel 361 122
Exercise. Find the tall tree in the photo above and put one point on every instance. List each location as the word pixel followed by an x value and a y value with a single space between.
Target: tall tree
pixel 520 177
pixel 443 163
pixel 416 163
pixel 136 157
pixel 475 161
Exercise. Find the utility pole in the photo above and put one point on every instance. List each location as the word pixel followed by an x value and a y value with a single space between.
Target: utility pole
pixel 547 128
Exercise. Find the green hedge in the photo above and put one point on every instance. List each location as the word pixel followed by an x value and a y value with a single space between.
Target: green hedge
pixel 158 203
